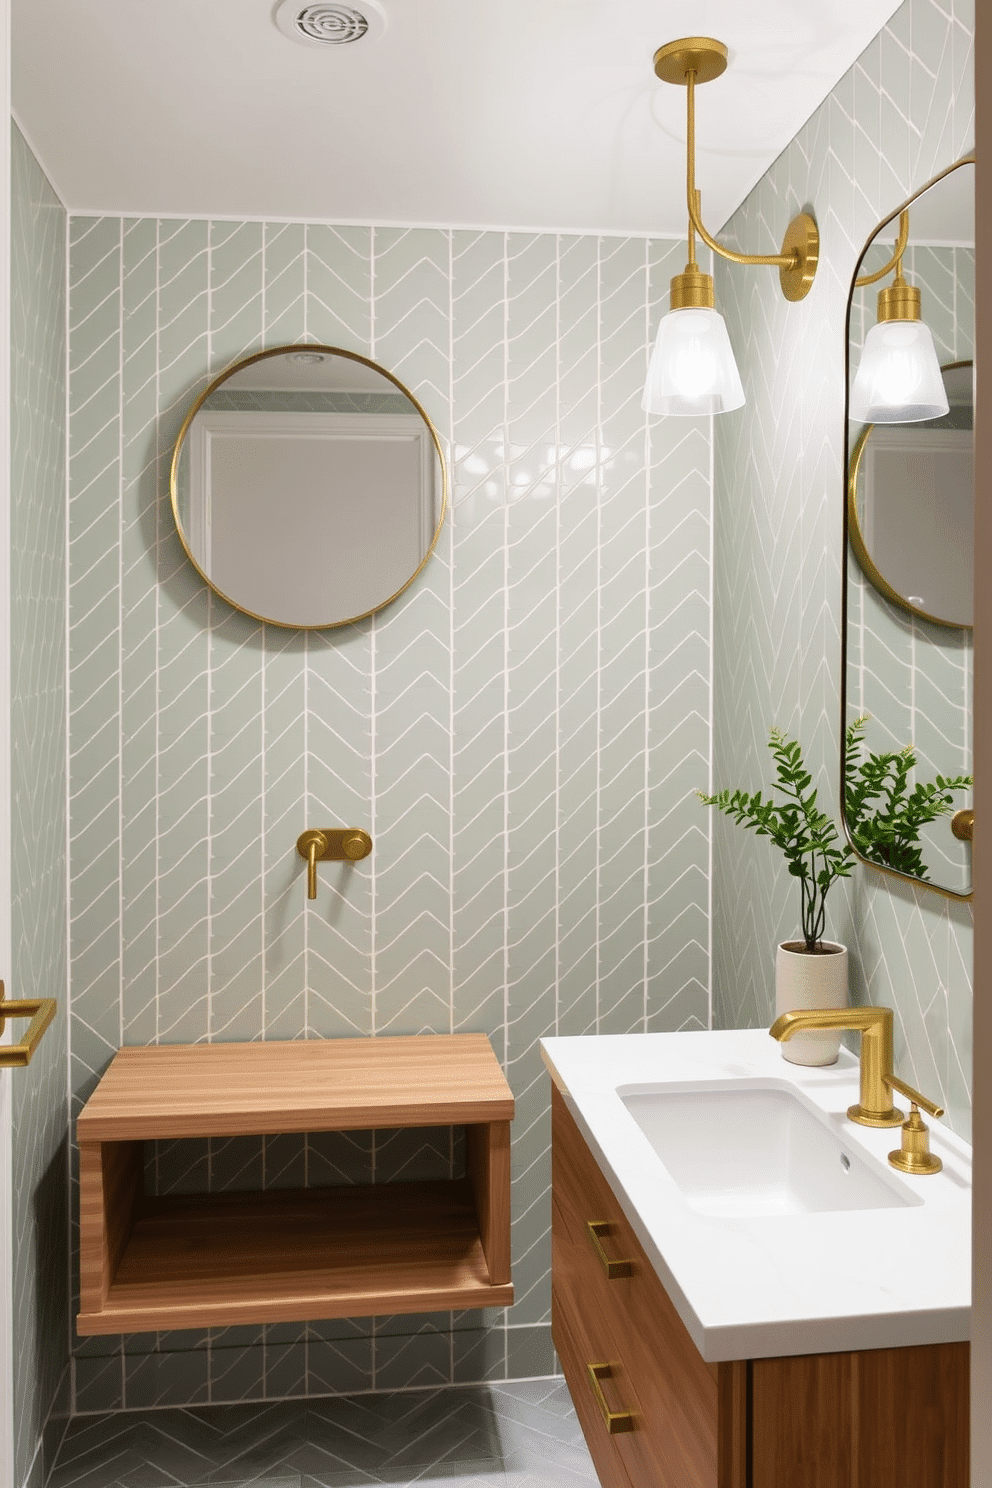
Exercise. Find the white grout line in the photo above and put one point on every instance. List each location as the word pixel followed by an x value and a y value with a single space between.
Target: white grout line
pixel 390 224
pixel 711 721
pixel 648 452
pixel 506 651
pixel 373 737
pixel 70 1260
pixel 120 638
pixel 558 581
pixel 450 518
pixel 599 613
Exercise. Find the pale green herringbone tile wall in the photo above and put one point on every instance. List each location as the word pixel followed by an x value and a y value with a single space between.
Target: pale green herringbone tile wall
pixel 521 732
pixel 902 113
pixel 38 806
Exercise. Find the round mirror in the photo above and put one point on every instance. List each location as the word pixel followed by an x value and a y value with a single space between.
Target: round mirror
pixel 911 506
pixel 308 486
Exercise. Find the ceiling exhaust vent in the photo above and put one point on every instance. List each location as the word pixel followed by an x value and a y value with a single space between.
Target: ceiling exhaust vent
pixel 329 24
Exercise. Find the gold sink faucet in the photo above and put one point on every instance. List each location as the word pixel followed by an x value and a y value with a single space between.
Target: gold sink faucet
pixel 874 1024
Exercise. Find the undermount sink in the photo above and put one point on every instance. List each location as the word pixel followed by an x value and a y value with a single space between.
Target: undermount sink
pixel 747 1150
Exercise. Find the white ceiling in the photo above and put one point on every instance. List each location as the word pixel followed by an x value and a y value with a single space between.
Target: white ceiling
pixel 516 113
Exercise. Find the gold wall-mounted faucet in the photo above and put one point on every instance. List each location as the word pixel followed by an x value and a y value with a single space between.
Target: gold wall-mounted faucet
pixel 331 844
pixel 874 1024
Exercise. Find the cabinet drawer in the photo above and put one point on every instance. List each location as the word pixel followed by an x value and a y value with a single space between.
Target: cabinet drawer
pixel 627 1318
pixel 622 1460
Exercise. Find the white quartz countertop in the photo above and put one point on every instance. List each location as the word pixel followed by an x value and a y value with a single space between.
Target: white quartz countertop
pixel 769 1285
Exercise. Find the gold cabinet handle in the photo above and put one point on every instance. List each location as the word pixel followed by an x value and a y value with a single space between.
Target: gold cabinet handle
pixel 41 1011
pixel 597 1228
pixel 616 1421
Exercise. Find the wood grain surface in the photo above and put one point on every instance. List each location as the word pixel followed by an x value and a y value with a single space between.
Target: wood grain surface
pixel 111 1182
pixel 488 1161
pixel 630 1323
pixel 603 1450
pixel 218 1260
pixel 203 1090
pixel 732 1443
pixel 880 1416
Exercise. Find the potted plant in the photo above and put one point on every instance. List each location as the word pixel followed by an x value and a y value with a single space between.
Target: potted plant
pixel 884 817
pixel 884 814
pixel 811 972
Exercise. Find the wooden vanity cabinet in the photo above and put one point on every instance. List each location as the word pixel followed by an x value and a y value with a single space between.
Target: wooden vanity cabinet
pixel 867 1419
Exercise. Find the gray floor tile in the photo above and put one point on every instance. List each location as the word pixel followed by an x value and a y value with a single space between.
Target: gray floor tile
pixel 517 1435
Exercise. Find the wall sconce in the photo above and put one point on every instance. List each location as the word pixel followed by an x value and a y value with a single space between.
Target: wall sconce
pixel 692 368
pixel 898 380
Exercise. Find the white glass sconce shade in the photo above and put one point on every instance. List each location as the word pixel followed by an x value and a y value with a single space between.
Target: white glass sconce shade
pixel 898 379
pixel 692 369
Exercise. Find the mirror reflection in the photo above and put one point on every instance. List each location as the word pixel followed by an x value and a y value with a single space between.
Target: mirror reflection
pixel 911 507
pixel 308 486
pixel 907 669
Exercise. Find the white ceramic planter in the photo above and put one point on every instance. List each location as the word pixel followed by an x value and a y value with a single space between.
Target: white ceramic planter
pixel 803 980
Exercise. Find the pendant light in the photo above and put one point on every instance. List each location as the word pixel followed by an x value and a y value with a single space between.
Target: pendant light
pixel 692 369
pixel 898 380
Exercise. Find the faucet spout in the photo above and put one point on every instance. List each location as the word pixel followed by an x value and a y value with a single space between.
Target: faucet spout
pixel 874 1107
pixel 312 845
pixel 312 851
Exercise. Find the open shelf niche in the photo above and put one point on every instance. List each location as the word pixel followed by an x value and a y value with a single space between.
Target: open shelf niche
pixel 292 1255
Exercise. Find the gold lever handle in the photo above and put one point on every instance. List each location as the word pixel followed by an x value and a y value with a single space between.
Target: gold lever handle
pixel 914 1096
pixel 41 1011
pixel 616 1421
pixel 311 845
pixel 597 1229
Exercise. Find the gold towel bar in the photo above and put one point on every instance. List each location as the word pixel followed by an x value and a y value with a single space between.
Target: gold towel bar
pixel 41 1011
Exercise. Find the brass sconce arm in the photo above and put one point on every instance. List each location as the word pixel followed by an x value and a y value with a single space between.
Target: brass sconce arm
pixel 896 260
pixel 41 1011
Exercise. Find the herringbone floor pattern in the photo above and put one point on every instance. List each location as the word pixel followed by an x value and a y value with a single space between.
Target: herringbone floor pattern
pixel 522 1435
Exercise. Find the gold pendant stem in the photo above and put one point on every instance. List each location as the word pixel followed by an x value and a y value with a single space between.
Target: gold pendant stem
pixel 774 260
pixel 691 194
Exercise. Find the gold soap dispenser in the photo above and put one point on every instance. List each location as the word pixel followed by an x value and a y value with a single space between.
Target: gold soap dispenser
pixel 914 1155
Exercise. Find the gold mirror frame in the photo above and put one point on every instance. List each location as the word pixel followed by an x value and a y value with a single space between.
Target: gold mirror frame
pixel 261 356
pixel 856 536
pixel 907 878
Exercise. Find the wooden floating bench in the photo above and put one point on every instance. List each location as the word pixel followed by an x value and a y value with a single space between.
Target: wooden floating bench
pixel 218 1260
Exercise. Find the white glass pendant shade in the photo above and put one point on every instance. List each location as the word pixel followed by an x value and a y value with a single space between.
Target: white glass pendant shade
pixel 692 369
pixel 898 379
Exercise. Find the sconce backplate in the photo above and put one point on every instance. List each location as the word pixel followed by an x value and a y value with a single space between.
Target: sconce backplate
pixel 802 236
